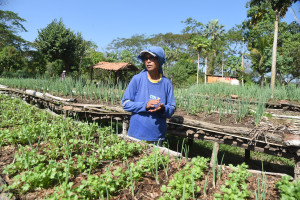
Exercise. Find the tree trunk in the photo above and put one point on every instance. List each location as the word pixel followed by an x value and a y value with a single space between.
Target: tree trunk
pixel 198 68
pixel 205 69
pixel 243 63
pixel 262 79
pixel 222 63
pixel 273 72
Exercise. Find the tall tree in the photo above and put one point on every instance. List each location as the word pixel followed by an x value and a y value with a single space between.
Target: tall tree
pixel 233 64
pixel 280 7
pixel 11 44
pixel 215 32
pixel 10 26
pixel 127 56
pixel 234 44
pixel 197 42
pixel 173 44
pixel 134 44
pixel 10 60
pixel 209 38
pixel 36 62
pixel 91 57
pixel 201 44
pixel 169 40
pixel 260 55
pixel 83 50
pixel 192 27
pixel 183 73
pixel 288 53
pixel 58 42
pixel 173 56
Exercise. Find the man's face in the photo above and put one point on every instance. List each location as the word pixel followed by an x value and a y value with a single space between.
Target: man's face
pixel 151 62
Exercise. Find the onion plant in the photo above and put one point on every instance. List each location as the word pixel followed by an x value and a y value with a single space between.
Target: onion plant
pixel 206 98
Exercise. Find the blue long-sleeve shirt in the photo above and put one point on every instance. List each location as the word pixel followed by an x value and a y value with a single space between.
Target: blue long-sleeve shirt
pixel 145 125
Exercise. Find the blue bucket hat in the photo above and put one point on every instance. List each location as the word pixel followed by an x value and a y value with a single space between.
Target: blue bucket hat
pixel 156 52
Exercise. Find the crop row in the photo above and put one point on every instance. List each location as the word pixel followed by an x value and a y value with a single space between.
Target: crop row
pixel 54 149
pixel 84 161
pixel 86 89
pixel 201 99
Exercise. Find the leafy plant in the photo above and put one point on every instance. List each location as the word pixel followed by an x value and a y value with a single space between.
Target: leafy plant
pixel 236 187
pixel 184 182
pixel 288 190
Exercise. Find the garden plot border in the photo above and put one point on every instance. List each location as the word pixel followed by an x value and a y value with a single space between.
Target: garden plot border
pixel 177 125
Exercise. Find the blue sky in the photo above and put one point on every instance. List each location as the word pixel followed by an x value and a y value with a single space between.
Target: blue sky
pixel 101 21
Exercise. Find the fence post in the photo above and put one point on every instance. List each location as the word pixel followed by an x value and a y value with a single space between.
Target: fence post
pixel 214 155
pixel 125 125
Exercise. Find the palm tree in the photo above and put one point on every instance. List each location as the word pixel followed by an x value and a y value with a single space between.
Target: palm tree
pixel 172 55
pixel 206 41
pixel 201 43
pixel 215 32
pixel 259 57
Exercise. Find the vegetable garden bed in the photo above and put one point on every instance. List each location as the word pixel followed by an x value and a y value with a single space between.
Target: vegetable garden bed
pixel 267 137
pixel 47 157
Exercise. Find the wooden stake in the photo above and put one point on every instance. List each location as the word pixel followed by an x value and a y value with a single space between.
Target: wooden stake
pixel 247 156
pixel 214 155
pixel 125 125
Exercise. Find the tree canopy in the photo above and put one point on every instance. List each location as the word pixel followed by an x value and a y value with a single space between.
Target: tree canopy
pixel 58 42
pixel 10 26
pixel 280 8
pixel 59 48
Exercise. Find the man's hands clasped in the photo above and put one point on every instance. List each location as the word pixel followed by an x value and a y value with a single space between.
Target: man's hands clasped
pixel 151 104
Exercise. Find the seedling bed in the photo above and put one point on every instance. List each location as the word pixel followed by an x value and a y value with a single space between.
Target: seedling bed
pixel 52 157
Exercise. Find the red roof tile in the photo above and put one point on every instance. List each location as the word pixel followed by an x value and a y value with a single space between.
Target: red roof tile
pixel 115 66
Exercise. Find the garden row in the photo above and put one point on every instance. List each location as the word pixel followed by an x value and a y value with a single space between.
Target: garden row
pixel 55 157
pixel 198 102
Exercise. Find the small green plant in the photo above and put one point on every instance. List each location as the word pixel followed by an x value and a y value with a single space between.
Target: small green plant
pixel 236 187
pixel 288 190
pixel 183 185
pixel 260 192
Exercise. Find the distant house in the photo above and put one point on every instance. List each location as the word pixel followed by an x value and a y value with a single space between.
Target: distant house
pixel 120 69
pixel 228 79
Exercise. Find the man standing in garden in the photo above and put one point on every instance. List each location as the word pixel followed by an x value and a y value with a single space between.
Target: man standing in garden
pixel 150 98
pixel 63 75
